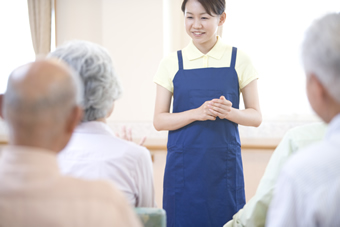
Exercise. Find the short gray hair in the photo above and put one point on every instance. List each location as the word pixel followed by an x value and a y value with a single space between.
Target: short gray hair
pixel 94 65
pixel 321 52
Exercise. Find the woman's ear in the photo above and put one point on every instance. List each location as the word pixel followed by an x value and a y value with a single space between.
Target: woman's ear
pixel 222 19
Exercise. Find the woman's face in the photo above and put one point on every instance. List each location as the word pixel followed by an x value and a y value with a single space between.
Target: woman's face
pixel 199 25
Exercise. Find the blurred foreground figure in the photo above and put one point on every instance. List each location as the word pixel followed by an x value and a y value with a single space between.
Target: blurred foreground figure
pixel 254 213
pixel 41 109
pixel 307 192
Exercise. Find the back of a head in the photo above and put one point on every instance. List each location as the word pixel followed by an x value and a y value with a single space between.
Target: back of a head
pixel 101 85
pixel 321 52
pixel 38 98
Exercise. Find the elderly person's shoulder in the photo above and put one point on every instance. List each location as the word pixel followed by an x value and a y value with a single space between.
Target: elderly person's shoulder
pixel 313 165
pixel 132 149
pixel 100 195
pixel 102 190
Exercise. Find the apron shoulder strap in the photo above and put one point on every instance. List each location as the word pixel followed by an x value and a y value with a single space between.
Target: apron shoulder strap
pixel 180 60
pixel 233 57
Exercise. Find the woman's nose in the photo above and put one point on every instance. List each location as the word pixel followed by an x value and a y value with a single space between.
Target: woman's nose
pixel 197 24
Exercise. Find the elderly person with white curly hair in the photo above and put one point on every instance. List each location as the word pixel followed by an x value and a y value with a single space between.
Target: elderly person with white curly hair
pixel 94 151
pixel 308 190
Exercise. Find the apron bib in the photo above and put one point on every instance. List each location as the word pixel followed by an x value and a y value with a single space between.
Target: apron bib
pixel 203 180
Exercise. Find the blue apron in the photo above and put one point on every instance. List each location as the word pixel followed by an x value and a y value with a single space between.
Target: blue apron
pixel 203 180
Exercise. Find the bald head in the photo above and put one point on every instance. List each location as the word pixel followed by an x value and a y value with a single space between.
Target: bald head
pixel 39 102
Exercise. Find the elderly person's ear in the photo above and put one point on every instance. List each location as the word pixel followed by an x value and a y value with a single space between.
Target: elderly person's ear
pixel 1 101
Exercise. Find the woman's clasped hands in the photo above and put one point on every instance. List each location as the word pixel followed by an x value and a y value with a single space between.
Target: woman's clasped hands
pixel 209 110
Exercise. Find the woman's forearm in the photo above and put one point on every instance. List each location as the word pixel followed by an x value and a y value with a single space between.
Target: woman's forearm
pixel 173 121
pixel 246 117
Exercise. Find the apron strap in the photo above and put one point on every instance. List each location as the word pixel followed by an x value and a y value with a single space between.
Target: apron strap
pixel 180 60
pixel 233 58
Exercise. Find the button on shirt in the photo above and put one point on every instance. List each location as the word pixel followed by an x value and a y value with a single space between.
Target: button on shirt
pixel 94 152
pixel 307 191
pixel 205 61
pixel 34 193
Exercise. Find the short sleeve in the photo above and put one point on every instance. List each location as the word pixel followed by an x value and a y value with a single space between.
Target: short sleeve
pixel 245 69
pixel 166 72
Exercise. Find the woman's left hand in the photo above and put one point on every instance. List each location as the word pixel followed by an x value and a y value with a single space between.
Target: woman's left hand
pixel 220 107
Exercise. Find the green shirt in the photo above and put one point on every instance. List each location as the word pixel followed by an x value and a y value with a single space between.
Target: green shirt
pixel 254 213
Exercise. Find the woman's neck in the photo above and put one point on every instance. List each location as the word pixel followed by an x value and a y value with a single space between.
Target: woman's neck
pixel 207 46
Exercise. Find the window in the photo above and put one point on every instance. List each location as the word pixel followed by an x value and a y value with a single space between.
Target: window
pixel 15 40
pixel 271 32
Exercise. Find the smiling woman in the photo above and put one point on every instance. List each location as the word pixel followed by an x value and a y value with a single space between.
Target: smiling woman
pixel 201 23
pixel 15 40
pixel 204 167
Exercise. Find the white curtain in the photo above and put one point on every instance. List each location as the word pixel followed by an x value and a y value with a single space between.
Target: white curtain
pixel 39 12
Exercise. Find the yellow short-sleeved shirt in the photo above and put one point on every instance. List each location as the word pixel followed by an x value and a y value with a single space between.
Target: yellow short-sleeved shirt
pixel 218 56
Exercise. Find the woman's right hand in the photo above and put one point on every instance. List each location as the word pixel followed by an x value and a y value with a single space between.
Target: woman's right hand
pixel 203 113
pixel 164 120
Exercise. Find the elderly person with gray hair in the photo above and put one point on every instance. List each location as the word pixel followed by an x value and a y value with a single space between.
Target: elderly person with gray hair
pixel 94 151
pixel 307 191
pixel 41 107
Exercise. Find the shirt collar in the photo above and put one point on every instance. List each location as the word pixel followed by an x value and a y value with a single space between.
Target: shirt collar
pixel 216 52
pixel 94 127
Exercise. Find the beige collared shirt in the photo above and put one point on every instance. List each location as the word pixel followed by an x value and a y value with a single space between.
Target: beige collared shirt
pixel 34 193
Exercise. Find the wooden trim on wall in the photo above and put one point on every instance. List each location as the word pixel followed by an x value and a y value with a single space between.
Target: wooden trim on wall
pixel 160 144
pixel 246 143
pixel 247 146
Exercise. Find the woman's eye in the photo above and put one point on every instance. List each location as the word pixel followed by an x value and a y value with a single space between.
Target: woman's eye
pixel 189 17
pixel 205 18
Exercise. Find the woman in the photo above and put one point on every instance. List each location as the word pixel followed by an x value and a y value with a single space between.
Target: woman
pixel 203 181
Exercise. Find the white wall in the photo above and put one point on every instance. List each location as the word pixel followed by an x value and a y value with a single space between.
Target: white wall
pixel 132 31
pixel 78 19
pixel 137 34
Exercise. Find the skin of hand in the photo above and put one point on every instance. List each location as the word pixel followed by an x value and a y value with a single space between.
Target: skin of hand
pixel 220 107
pixel 204 112
pixel 165 120
pixel 250 116
pixel 126 134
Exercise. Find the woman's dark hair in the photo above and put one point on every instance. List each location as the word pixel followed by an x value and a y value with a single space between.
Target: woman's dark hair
pixel 211 6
